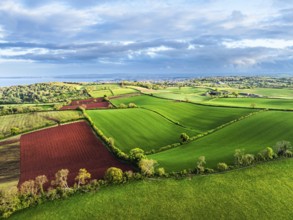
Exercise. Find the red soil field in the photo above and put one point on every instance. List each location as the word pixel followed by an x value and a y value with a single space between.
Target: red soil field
pixel 71 146
pixel 87 103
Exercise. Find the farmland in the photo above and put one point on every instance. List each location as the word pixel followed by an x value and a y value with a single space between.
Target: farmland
pixel 198 117
pixel 130 128
pixel 71 146
pixel 252 134
pixel 9 162
pixel 261 192
pixel 30 121
pixel 174 124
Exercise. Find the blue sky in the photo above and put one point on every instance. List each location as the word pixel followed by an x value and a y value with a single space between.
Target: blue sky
pixel 145 37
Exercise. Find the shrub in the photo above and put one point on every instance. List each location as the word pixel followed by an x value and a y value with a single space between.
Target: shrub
pixel 114 175
pixel 132 105
pixel 161 171
pixel 122 105
pixel 200 165
pixel 222 166
pixel 184 137
pixel 9 202
pixel 283 148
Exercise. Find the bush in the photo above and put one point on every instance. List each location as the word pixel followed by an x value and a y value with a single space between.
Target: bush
pixel 114 175
pixel 283 148
pixel 132 105
pixel 161 171
pixel 136 154
pixel 184 137
pixel 222 166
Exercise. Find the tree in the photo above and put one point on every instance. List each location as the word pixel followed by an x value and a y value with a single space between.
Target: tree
pixel 252 105
pixel 28 188
pixel 82 177
pixel 147 166
pixel 136 154
pixel 40 181
pixel 268 153
pixel 248 159
pixel 283 148
pixel 61 179
pixel 184 137
pixel 132 105
pixel 200 164
pixel 238 156
pixel 114 175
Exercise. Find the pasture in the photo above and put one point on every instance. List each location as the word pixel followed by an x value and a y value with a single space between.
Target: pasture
pixel 257 102
pixel 31 121
pixel 132 128
pixel 198 117
pixel 252 134
pixel 261 192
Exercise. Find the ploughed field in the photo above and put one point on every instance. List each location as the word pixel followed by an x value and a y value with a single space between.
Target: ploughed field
pixel 71 146
pixel 92 103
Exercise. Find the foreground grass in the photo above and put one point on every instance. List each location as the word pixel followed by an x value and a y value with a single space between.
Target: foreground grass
pixel 261 192
pixel 252 134
pixel 34 120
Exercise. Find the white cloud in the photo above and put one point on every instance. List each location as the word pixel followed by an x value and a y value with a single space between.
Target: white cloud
pixel 252 43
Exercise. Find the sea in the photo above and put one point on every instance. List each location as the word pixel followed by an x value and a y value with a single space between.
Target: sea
pixel 13 81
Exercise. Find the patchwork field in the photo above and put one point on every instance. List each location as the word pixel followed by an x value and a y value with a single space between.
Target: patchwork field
pixel 252 134
pixel 71 146
pixel 199 117
pixel 261 192
pixel 34 120
pixel 132 128
pixel 108 90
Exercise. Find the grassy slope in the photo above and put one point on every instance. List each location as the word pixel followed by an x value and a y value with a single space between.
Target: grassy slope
pixel 137 128
pixel 253 134
pixel 29 121
pixel 199 117
pixel 261 192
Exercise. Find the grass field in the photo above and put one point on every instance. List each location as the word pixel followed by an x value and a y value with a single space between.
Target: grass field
pixel 259 102
pixel 261 192
pixel 252 134
pixel 198 117
pixel 132 128
pixel 30 121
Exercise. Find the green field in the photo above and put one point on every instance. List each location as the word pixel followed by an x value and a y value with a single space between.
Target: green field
pixel 199 117
pixel 252 134
pixel 261 192
pixel 132 128
pixel 259 102
pixel 34 120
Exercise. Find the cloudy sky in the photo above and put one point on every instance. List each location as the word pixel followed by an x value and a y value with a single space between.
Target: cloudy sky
pixel 145 37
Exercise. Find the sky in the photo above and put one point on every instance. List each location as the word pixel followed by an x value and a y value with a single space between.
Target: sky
pixel 62 37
